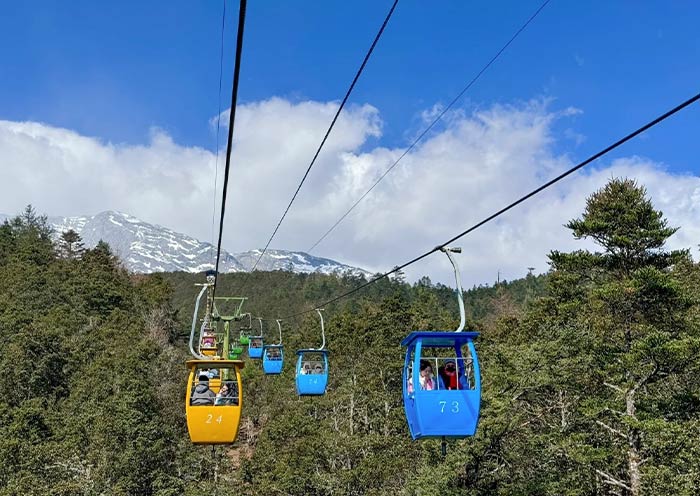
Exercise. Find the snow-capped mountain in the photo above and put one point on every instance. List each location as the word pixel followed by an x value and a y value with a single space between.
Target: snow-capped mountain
pixel 146 248
pixel 295 261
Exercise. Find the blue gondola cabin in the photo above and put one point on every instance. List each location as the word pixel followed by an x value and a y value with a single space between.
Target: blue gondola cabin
pixel 441 384
pixel 273 358
pixel 255 347
pixel 312 372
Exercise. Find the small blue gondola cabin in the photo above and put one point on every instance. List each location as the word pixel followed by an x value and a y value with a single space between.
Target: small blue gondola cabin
pixel 255 347
pixel 273 358
pixel 312 372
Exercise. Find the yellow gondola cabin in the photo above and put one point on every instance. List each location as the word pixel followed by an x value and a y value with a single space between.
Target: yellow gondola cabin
pixel 214 400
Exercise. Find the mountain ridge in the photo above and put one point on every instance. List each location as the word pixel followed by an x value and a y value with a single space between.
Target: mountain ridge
pixel 147 248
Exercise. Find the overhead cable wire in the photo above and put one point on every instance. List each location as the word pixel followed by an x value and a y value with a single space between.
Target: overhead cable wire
pixel 508 207
pixel 218 126
pixel 231 121
pixel 325 137
pixel 432 124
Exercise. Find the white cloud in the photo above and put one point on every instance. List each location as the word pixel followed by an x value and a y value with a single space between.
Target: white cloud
pixel 474 165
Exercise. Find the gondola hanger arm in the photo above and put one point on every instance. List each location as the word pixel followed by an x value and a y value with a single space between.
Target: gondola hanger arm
pixel 460 297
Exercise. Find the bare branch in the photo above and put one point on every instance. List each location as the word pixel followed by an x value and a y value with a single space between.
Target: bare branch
pixel 614 431
pixel 616 412
pixel 616 388
pixel 609 479
pixel 517 396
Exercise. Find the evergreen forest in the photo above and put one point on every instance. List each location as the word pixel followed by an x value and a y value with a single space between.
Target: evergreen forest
pixel 590 374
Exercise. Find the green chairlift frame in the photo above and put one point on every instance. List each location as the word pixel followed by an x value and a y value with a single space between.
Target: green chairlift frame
pixel 232 304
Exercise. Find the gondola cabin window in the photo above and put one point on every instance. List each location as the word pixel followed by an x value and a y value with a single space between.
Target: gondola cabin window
pixel 274 353
pixel 444 370
pixel 214 386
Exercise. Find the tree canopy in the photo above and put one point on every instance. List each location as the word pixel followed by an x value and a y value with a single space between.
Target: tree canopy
pixel 590 380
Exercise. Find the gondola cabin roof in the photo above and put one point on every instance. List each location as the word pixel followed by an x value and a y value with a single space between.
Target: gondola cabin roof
pixel 311 350
pixel 439 339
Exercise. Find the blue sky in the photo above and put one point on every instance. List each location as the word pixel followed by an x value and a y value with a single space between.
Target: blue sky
pixel 108 105
pixel 115 69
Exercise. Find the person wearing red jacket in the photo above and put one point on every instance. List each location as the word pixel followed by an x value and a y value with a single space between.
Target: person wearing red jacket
pixel 449 375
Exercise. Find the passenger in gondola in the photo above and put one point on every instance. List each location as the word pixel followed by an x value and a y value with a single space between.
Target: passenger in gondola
pixel 202 395
pixel 449 375
pixel 318 369
pixel 227 394
pixel 273 353
pixel 306 369
pixel 426 379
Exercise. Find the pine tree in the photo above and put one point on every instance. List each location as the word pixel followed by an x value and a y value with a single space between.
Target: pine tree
pixel 630 313
pixel 70 245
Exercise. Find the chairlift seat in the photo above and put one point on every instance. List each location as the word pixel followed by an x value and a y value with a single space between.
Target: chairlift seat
pixel 235 352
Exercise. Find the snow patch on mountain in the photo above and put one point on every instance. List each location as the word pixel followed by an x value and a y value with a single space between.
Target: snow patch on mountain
pixel 295 261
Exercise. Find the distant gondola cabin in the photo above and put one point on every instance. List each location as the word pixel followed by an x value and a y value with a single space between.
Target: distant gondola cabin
pixel 273 358
pixel 208 345
pixel 255 347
